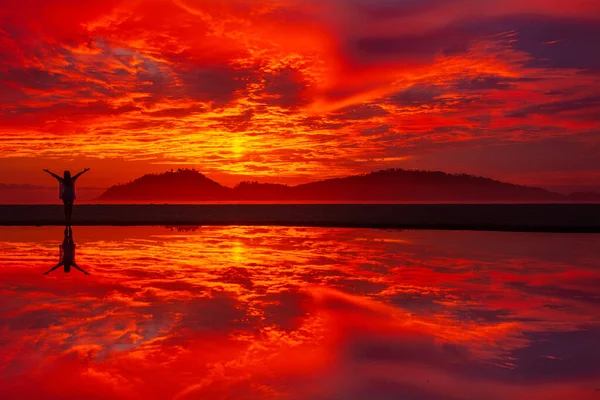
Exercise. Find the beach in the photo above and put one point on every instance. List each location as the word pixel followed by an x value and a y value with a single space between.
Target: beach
pixel 577 218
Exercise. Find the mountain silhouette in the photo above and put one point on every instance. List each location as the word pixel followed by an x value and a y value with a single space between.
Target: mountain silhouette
pixel 263 191
pixel 415 185
pixel 391 185
pixel 183 184
pixel 591 197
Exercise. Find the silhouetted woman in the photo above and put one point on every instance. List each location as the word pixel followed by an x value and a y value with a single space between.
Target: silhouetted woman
pixel 67 254
pixel 67 189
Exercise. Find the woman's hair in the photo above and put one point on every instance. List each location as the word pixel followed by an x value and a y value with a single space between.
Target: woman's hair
pixel 67 175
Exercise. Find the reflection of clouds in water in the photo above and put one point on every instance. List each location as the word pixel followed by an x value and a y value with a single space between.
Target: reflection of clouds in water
pixel 296 312
pixel 237 251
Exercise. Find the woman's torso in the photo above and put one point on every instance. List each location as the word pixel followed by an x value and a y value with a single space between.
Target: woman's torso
pixel 67 190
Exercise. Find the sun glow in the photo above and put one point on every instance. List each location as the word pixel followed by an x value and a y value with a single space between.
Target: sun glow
pixel 238 147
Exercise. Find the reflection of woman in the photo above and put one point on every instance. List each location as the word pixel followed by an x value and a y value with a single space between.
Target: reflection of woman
pixel 67 189
pixel 67 253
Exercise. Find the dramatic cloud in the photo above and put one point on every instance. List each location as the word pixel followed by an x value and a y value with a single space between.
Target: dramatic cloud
pixel 293 90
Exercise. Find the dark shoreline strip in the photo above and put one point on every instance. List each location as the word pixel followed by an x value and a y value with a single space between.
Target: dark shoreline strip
pixel 566 218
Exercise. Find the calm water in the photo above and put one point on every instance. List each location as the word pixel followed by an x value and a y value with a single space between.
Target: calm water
pixel 302 313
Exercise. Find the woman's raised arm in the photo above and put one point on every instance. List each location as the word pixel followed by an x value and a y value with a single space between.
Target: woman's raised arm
pixel 81 173
pixel 54 175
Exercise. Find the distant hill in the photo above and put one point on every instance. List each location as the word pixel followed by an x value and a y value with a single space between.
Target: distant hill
pixel 180 185
pixel 591 197
pixel 414 185
pixel 392 185
pixel 263 191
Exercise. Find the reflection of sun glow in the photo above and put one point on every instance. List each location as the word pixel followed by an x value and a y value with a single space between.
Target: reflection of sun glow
pixel 268 311
pixel 237 251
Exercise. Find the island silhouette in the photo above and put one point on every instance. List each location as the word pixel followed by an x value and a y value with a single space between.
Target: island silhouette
pixel 390 185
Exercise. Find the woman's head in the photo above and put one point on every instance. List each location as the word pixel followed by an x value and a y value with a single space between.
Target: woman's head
pixel 67 175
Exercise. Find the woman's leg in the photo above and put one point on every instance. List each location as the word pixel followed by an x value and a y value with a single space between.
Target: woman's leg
pixel 66 204
pixel 69 210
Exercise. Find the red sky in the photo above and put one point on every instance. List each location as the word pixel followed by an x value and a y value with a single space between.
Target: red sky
pixel 290 91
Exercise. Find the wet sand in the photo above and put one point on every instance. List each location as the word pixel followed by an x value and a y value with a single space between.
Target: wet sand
pixel 492 217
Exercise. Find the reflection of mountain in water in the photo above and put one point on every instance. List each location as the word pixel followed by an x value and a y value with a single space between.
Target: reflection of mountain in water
pixel 386 185
pixel 183 228
pixel 66 254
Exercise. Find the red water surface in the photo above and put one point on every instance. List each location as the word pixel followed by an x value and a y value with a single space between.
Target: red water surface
pixel 299 313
